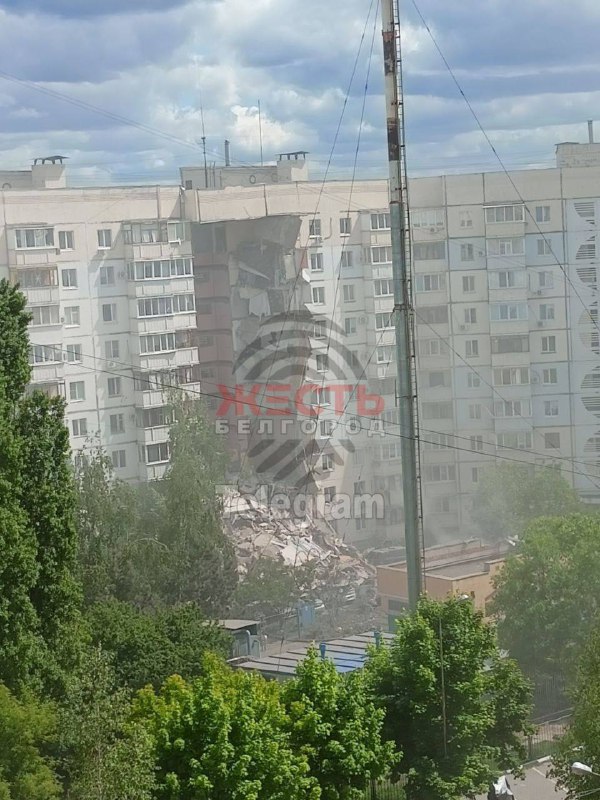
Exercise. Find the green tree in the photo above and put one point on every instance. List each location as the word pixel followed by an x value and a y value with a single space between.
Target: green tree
pixel 422 678
pixel 271 588
pixel 509 496
pixel 223 736
pixel 200 560
pixel 547 593
pixel 147 645
pixel 105 754
pixel 336 725
pixel 582 740
pixel 27 733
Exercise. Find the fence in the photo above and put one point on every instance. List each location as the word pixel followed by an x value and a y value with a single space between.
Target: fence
pixel 385 790
pixel 544 741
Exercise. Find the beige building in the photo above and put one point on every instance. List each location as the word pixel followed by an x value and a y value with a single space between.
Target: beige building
pixel 461 568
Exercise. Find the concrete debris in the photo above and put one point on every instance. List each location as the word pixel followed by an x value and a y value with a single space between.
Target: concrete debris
pixel 259 530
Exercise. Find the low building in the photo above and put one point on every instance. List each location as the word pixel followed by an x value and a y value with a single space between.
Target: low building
pixel 451 569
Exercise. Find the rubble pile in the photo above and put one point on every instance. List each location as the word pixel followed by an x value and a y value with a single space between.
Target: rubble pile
pixel 258 530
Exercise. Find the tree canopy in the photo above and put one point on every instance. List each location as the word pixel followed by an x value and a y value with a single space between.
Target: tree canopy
pixel 423 676
pixel 548 593
pixel 509 496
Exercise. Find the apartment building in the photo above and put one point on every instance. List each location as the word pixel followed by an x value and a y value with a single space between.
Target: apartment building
pixel 126 294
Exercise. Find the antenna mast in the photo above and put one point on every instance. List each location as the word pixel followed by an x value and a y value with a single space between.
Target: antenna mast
pixel 204 147
pixel 403 309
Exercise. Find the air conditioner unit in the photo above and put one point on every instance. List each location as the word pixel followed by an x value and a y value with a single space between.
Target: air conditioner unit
pixel 112 365
pixel 433 230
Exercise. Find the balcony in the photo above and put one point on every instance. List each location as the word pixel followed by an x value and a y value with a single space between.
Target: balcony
pixel 177 358
pixel 158 397
pixel 47 373
pixel 160 287
pixel 43 295
pixel 173 322
pixel 153 435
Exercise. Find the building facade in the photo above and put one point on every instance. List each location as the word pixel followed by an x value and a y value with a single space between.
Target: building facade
pixel 125 295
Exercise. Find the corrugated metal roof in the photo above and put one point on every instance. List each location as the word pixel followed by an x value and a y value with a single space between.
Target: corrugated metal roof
pixel 348 654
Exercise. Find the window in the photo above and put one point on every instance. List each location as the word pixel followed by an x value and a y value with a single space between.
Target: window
pixel 432 347
pixel 477 444
pixel 512 213
pixel 428 218
pixel 44 354
pixel 318 295
pixel 346 259
pixel 327 463
pixel 165 268
pixel 552 441
pixel 475 411
pixel 119 459
pixel 429 251
pixel 156 417
pixel 515 246
pixel 511 376
pixel 183 303
pixel 109 312
pixel 437 441
pixel 163 231
pixel 329 493
pixel 345 226
pixel 505 312
pixel 510 344
pixel 546 311
pixel 176 232
pixel 206 340
pixel 507 279
pixel 543 247
pixel 114 387
pixel 470 316
pixel 73 353
pixel 512 408
pixel 390 452
pixel 549 375
pixel 45 315
pixel 381 255
pixel 79 426
pixel 350 326
pixel 438 473
pixel 385 353
pixel 546 280
pixel 66 240
pixel 314 228
pixel 433 315
pixel 157 453
pixel 111 348
pixel 37 277
pixel 472 348
pixel 468 283
pixel 548 344
pixel 384 288
pixel 117 423
pixel 551 408
pixel 467 252
pixel 383 321
pixel 320 329
pixel 514 441
pixel 441 505
pixel 430 283
pixel 104 239
pixel 465 219
pixel 77 390
pixel 437 410
pixel 380 222
pixel 69 278
pixel 72 315
pixel 473 380
pixel 475 473
pixel 322 362
pixel 26 238
pixel 348 292
pixel 437 378
pixel 325 428
pixel 107 276
pixel 157 343
pixel 542 213
pixel 316 262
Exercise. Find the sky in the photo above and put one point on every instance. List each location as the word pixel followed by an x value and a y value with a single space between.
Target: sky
pixel 123 87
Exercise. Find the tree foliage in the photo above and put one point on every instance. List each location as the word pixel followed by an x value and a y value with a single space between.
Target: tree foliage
pixel 582 740
pixel 547 594
pixel 486 709
pixel 509 496
pixel 106 755
pixel 335 724
pixel 27 732
pixel 147 646
pixel 223 736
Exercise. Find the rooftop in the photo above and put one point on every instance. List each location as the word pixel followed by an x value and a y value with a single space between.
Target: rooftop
pixel 459 559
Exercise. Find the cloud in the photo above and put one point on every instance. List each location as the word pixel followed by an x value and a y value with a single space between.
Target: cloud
pixel 157 62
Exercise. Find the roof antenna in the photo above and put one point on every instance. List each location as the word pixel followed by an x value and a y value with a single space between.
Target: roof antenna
pixel 204 144
pixel 260 134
